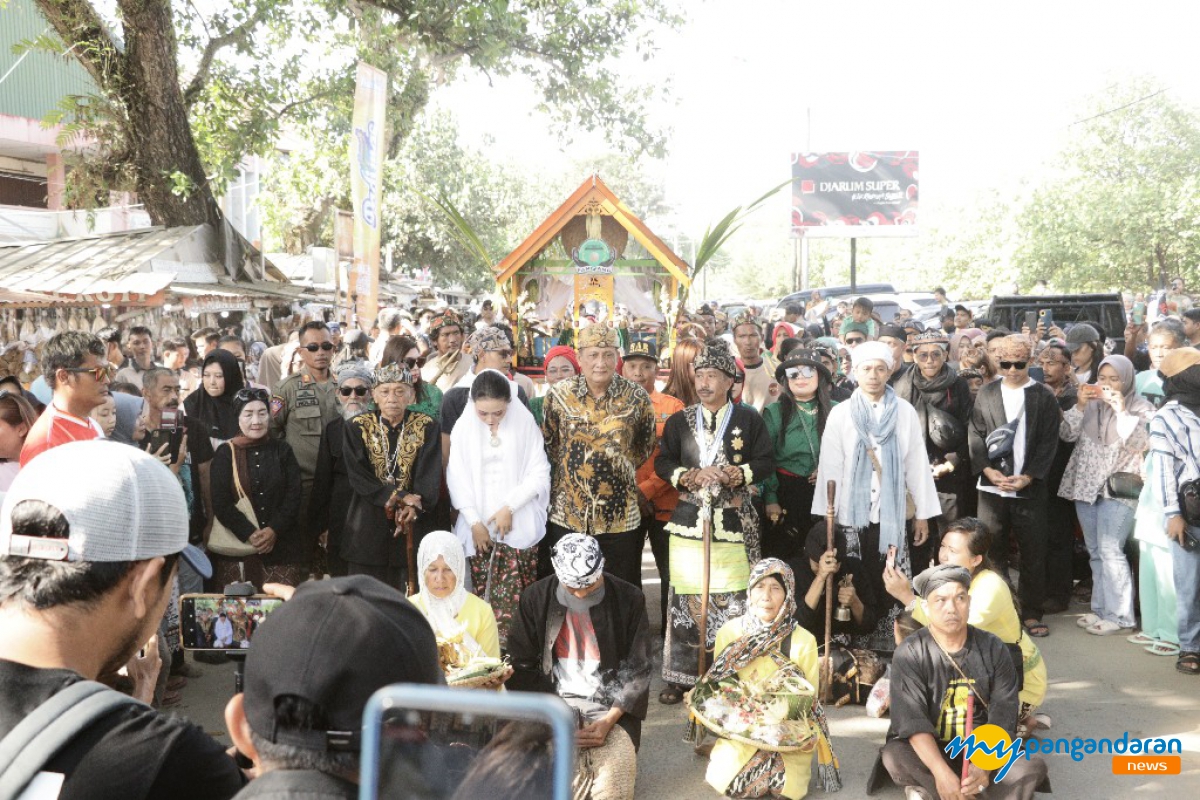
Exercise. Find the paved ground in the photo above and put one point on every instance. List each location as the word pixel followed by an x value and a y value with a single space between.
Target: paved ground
pixel 1099 687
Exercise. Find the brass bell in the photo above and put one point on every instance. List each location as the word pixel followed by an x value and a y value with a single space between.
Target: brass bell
pixel 842 614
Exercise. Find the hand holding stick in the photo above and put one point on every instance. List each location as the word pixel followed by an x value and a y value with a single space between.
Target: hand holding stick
pixel 830 522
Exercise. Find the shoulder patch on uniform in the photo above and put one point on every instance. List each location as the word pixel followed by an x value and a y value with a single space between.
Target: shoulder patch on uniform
pixel 276 405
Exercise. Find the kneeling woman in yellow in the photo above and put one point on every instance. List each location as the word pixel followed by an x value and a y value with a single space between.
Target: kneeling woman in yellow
pixel 966 543
pixel 464 624
pixel 768 650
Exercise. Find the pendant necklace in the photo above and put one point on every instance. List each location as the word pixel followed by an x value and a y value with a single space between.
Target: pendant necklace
pixel 390 458
pixel 495 440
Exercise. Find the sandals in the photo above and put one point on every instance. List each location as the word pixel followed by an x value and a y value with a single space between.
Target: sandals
pixel 1163 649
pixel 1142 638
pixel 1188 663
pixel 1037 629
pixel 670 696
pixel 1087 620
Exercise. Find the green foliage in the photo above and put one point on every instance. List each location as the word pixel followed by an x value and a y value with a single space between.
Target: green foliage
pixel 1123 209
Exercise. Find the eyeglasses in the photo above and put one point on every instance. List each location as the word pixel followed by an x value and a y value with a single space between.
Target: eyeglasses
pixel 806 372
pixel 740 379
pixel 101 373
pixel 932 355
pixel 312 348
pixel 415 363
pixel 1013 364
pixel 249 395
pixel 357 391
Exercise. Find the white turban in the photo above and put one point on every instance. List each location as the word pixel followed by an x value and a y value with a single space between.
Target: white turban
pixel 872 351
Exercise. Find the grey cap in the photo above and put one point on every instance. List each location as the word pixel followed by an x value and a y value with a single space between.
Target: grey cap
pixel 1081 333
pixel 935 577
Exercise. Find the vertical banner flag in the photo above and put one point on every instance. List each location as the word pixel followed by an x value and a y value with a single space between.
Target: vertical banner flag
pixel 366 189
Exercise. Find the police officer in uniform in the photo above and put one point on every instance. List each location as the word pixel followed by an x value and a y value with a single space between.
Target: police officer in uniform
pixel 303 404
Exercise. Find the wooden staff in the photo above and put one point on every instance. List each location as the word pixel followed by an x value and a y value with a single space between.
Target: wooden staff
pixel 969 729
pixel 706 526
pixel 410 547
pixel 830 522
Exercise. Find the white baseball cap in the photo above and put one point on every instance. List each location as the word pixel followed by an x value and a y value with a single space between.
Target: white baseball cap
pixel 120 503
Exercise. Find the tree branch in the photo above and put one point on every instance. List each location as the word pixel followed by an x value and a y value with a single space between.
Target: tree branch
pixel 304 101
pixel 237 35
pixel 83 31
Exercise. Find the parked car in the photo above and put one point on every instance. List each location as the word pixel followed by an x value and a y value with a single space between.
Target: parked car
pixel 1105 311
pixel 836 293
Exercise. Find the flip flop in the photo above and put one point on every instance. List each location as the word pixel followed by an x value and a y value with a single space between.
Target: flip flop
pixel 1141 638
pixel 1163 649
pixel 1037 629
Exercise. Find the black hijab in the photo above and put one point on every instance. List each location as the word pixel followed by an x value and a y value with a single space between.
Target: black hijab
pixel 216 414
pixel 1184 387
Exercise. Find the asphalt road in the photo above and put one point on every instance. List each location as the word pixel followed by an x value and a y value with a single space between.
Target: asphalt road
pixel 1099 687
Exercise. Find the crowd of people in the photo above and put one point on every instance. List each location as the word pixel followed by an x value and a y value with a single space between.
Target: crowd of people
pixel 952 487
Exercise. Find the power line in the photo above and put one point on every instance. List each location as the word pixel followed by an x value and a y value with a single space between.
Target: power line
pixel 1118 108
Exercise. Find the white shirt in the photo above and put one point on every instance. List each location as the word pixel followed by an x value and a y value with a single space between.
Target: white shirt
pixel 223 632
pixel 837 462
pixel 1014 406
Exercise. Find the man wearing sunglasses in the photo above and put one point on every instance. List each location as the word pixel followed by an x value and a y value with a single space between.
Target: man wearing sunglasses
pixel 1012 469
pixel 75 370
pixel 304 403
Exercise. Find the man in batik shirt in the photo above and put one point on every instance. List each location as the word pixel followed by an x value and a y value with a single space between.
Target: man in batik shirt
pixel 599 429
pixel 713 452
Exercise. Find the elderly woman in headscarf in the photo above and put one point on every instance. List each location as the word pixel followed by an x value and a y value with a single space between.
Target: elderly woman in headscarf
pixel 1103 478
pixel 464 625
pixel 751 649
pixel 212 404
pixel 943 403
pixel 1174 443
pixel 499 481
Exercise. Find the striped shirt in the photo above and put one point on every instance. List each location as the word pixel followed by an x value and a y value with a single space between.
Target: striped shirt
pixel 1174 445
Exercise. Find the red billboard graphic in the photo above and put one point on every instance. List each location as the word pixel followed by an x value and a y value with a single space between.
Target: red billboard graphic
pixel 866 193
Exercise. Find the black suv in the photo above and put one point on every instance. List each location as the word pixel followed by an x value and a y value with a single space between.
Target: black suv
pixel 1107 311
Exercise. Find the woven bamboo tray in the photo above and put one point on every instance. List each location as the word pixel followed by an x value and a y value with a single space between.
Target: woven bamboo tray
pixel 807 747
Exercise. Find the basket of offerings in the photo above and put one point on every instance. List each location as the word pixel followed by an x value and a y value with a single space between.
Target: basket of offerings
pixel 774 714
pixel 477 672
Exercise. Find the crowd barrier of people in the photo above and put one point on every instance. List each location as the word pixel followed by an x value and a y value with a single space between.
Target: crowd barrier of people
pixel 950 487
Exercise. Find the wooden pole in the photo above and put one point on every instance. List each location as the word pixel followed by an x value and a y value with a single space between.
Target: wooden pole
pixel 830 522
pixel 706 523
pixel 410 545
pixel 967 731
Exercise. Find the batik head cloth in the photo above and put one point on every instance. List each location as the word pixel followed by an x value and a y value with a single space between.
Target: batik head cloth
pixel 577 560
pixel 394 373
pixel 447 319
pixel 716 355
pixel 488 339
pixel 598 335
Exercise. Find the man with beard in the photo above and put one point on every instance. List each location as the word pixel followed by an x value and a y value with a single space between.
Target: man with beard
pixel 330 505
pixel 713 453
pixel 90 534
pixel 448 365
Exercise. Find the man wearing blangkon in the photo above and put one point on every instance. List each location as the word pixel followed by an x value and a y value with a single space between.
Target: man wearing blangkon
pixel 90 535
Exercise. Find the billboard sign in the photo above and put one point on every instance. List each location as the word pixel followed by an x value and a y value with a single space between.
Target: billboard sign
pixel 865 193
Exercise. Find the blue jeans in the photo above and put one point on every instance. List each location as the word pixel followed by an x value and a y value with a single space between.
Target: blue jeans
pixel 1106 527
pixel 1187 593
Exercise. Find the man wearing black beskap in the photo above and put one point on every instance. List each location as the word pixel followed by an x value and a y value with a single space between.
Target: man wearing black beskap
pixel 90 536
pixel 314 664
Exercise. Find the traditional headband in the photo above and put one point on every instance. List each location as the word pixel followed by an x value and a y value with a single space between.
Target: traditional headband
pixel 596 336
pixel 577 561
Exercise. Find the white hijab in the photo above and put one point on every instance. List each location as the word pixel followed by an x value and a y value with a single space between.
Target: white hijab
pixel 523 450
pixel 442 612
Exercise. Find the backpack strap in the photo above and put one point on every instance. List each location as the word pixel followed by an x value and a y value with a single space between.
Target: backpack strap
pixel 38 738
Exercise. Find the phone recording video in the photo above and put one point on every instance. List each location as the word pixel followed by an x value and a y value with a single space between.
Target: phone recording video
pixel 169 433
pixel 221 622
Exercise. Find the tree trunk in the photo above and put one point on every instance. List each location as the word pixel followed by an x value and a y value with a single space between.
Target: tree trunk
pixel 160 133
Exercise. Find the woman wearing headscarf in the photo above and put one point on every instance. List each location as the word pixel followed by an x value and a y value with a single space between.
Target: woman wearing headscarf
pixel 1103 477
pixel 212 404
pixel 1174 445
pixel 964 339
pixel 560 363
pixel 795 424
pixel 265 471
pixel 499 481
pixel 943 403
pixel 752 648
pixel 464 625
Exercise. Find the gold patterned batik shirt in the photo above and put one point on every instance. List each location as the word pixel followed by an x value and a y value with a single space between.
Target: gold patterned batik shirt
pixel 595 447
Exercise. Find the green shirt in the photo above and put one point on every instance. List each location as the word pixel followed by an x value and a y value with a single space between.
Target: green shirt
pixel 432 402
pixel 801 447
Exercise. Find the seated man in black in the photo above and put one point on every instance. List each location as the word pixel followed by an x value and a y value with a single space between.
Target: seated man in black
pixel 933 672
pixel 851 588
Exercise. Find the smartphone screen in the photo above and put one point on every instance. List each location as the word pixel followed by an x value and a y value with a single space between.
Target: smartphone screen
pixel 891 556
pixel 442 743
pixel 220 622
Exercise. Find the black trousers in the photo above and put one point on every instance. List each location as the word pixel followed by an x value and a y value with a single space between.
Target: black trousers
pixel 1022 519
pixel 1060 549
pixel 659 546
pixel 622 552
pixel 785 539
pixel 907 769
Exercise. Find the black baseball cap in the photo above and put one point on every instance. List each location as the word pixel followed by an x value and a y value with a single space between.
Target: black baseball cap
pixel 334 644
pixel 643 348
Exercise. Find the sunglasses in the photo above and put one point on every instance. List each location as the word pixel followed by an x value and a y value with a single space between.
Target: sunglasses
pixel 250 395
pixel 415 363
pixel 357 391
pixel 793 373
pixel 312 348
pixel 105 372
pixel 853 342
pixel 1014 364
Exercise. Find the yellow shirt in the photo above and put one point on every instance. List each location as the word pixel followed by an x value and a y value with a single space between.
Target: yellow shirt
pixel 992 610
pixel 478 618
pixel 728 757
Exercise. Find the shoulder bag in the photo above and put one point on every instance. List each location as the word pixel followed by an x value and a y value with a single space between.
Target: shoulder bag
pixel 223 541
